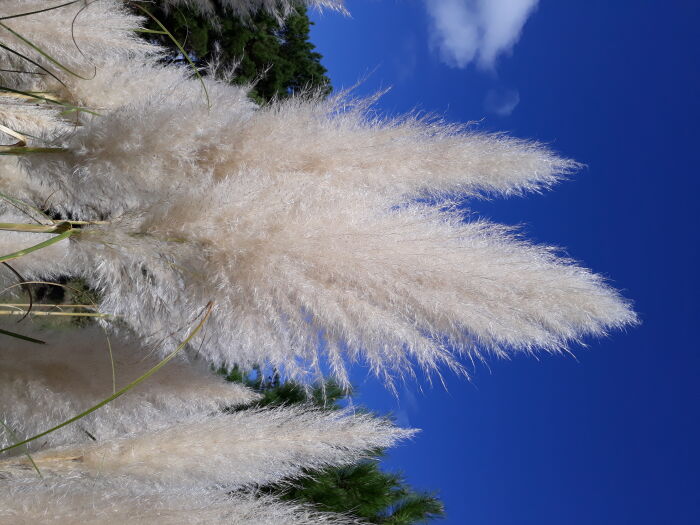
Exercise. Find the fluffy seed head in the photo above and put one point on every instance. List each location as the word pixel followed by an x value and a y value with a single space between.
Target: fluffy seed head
pixel 107 502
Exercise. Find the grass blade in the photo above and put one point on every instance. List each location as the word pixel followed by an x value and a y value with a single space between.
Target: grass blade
pixel 34 228
pixel 36 247
pixel 20 71
pixel 23 150
pixel 26 449
pixel 150 31
pixel 29 94
pixel 38 11
pixel 43 53
pixel 23 337
pixel 24 57
pixel 55 314
pixel 19 204
pixel 26 288
pixel 180 48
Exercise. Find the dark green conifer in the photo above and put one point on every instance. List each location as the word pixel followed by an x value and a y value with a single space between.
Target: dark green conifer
pixel 363 489
pixel 277 57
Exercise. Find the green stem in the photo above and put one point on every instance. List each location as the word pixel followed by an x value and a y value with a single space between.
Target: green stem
pixel 35 228
pixel 42 52
pixel 49 242
pixel 179 46
pixel 26 451
pixel 38 11
pixel 23 337
pixel 23 150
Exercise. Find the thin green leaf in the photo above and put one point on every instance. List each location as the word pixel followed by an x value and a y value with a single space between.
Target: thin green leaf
pixel 29 94
pixel 36 247
pixel 122 391
pixel 111 361
pixel 17 203
pixel 23 337
pixel 43 53
pixel 72 35
pixel 24 57
pixel 38 11
pixel 78 293
pixel 26 449
pixel 20 71
pixel 35 228
pixel 179 46
pixel 26 288
pixel 56 314
pixel 150 31
pixel 23 150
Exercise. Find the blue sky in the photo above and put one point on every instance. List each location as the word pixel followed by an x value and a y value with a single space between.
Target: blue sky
pixel 609 435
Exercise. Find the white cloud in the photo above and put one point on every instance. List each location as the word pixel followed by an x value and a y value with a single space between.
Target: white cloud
pixel 502 101
pixel 464 31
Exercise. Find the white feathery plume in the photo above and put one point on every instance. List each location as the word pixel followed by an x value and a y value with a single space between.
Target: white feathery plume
pixel 313 239
pixel 42 386
pixel 101 173
pixel 125 82
pixel 106 502
pixel 294 264
pixel 319 242
pixel 245 448
pixel 402 158
pixel 73 35
pixel 136 153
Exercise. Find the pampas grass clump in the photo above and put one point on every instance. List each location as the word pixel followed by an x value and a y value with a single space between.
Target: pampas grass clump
pixel 317 233
pixel 321 239
pixel 246 448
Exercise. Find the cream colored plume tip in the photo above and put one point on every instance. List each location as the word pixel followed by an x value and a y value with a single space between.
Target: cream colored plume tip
pixel 245 448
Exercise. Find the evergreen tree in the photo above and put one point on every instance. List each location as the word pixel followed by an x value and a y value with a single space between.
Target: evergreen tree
pixel 366 492
pixel 363 489
pixel 276 56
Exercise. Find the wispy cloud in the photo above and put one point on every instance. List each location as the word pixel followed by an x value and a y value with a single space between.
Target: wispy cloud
pixel 465 31
pixel 501 101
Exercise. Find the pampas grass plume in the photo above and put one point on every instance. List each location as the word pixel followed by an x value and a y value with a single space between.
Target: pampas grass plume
pixel 104 502
pixel 246 448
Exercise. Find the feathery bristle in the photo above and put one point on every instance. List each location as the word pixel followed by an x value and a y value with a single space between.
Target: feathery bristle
pixel 246 448
pixel 108 502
